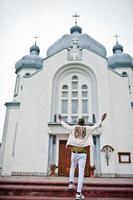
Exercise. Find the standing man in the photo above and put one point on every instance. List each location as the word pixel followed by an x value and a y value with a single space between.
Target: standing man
pixel 79 139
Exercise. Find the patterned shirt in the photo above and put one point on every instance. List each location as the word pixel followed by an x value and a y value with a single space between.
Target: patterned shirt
pixel 80 136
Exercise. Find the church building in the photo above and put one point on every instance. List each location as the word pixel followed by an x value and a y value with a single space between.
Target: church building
pixel 75 79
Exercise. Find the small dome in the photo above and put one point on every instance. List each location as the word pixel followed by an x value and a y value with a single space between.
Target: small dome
pixel 76 29
pixel 34 48
pixel 119 59
pixel 84 41
pixel 116 47
pixel 30 61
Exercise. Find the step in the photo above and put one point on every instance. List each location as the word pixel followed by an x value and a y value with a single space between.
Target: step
pixel 27 182
pixel 57 189
pixel 55 198
pixel 62 191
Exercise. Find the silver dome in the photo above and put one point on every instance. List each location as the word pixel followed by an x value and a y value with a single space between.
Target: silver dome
pixel 30 61
pixel 85 42
pixel 119 59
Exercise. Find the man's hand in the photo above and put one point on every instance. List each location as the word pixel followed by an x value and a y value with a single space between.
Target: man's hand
pixel 104 116
pixel 59 117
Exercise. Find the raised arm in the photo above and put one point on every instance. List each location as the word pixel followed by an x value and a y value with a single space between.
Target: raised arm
pixel 65 125
pixel 98 124
pixel 104 116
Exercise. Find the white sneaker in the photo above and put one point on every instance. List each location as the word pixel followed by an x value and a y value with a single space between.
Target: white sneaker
pixel 71 186
pixel 79 196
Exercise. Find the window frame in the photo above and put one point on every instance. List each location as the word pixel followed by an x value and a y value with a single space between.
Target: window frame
pixel 16 90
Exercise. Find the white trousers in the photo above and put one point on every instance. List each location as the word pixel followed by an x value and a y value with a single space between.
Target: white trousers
pixel 80 160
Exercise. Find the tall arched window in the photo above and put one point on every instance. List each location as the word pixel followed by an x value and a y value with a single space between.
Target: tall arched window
pixel 72 84
pixel 64 102
pixel 74 93
pixel 64 91
pixel 74 99
pixel 84 89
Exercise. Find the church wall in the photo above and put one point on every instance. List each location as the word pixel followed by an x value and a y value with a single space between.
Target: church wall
pixel 9 140
pixel 33 138
pixel 38 88
pixel 19 82
pixel 32 144
pixel 129 78
pixel 121 121
pixel 38 99
pixel 116 102
pixel 99 67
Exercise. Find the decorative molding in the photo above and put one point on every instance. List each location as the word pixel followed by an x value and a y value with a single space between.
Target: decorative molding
pixel 18 173
pixel 107 149
pixel 14 140
pixel 70 123
pixel 110 148
pixel 74 51
pixel 124 157
pixel 12 104
pixel 113 175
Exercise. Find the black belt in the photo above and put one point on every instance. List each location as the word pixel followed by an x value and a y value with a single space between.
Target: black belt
pixel 78 152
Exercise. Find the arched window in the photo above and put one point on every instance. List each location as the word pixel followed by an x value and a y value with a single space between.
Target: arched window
pixel 84 91
pixel 84 106
pixel 74 82
pixel 17 86
pixel 74 77
pixel 27 74
pixel 124 73
pixel 75 105
pixel 74 85
pixel 64 106
pixel 64 101
pixel 65 87
pixel 84 87
pixel 74 98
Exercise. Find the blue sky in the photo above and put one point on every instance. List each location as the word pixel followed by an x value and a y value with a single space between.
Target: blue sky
pixel 50 19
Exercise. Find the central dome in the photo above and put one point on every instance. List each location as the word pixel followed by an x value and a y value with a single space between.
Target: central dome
pixel 84 41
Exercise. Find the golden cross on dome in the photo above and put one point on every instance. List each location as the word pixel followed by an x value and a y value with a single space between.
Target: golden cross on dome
pixel 36 37
pixel 116 36
pixel 76 16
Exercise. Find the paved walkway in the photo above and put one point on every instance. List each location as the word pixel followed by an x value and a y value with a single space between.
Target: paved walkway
pixel 66 179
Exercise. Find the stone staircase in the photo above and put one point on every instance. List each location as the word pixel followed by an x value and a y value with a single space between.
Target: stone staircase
pixel 48 190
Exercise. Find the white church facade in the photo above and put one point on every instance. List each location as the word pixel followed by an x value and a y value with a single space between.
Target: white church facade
pixel 76 79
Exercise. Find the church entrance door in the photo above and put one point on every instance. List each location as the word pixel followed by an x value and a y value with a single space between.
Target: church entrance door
pixel 65 160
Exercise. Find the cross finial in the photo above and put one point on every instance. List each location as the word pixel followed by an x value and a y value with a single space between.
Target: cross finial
pixel 36 37
pixel 76 16
pixel 116 36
